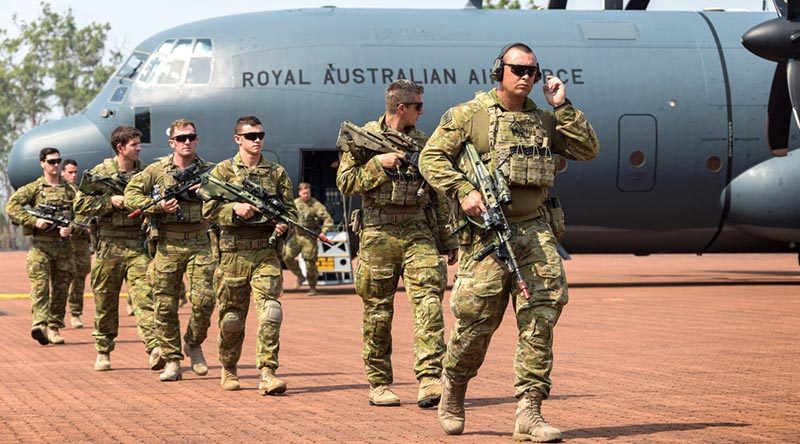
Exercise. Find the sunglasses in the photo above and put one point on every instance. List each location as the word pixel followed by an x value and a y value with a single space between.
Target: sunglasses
pixel 521 70
pixel 253 136
pixel 417 105
pixel 53 161
pixel 184 137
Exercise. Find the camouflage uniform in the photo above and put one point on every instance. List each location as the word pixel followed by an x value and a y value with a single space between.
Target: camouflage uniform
pixel 50 263
pixel 315 217
pixel 248 264
pixel 120 255
pixel 482 289
pixel 398 237
pixel 183 247
pixel 82 246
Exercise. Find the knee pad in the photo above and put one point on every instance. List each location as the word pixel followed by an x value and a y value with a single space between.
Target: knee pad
pixel 232 322
pixel 273 312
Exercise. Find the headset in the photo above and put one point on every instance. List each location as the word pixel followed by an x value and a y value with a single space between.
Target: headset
pixel 497 68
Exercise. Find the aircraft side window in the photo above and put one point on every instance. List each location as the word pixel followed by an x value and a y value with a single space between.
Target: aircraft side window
pixel 182 49
pixel 150 68
pixel 199 70
pixel 171 71
pixel 202 48
pixel 166 47
pixel 133 65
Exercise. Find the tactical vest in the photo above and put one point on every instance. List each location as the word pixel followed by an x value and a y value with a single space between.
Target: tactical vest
pixel 406 186
pixel 60 197
pixel 191 206
pixel 263 180
pixel 519 146
pixel 109 224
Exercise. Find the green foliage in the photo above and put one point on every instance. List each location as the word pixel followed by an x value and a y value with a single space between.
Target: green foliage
pixel 510 4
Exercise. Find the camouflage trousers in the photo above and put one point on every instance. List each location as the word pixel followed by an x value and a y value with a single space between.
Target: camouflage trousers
pixel 240 274
pixel 481 294
pixel 117 260
pixel 83 265
pixel 307 246
pixel 174 257
pixel 387 253
pixel 50 268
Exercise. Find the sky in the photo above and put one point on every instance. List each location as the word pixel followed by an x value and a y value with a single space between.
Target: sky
pixel 130 26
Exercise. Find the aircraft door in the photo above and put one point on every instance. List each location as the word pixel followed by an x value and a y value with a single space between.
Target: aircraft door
pixel 637 155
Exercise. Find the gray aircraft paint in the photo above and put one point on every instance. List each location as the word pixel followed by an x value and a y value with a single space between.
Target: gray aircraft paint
pixel 648 81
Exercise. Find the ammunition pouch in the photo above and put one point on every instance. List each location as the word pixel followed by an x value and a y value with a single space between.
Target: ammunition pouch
pixel 528 166
pixel 403 189
pixel 151 243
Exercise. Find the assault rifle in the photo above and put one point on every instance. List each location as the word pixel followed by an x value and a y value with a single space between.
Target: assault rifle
pixel 267 204
pixel 357 141
pixel 185 179
pixel 53 214
pixel 89 183
pixel 494 193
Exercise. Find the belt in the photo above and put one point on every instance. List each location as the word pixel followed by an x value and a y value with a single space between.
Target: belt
pixel 123 241
pixel 373 217
pixel 138 234
pixel 49 239
pixel 189 235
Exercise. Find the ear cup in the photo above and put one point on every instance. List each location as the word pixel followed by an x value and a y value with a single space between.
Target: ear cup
pixel 497 69
pixel 538 74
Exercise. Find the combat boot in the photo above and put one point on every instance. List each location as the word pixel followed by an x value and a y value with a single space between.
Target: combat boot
pixel 530 425
pixel 270 384
pixel 229 380
pixel 76 321
pixel 383 396
pixel 451 407
pixel 172 371
pixel 103 362
pixel 195 353
pixel 430 392
pixel 129 307
pixel 54 337
pixel 39 332
pixel 156 361
pixel 312 291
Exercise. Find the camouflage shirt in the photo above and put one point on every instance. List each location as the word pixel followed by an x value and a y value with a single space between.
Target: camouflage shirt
pixel 111 221
pixel 571 134
pixel 36 193
pixel 271 176
pixel 313 215
pixel 139 191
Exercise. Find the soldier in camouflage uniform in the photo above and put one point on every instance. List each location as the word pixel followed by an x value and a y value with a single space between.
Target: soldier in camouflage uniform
pixel 182 247
pixel 312 215
pixel 50 264
pixel 512 133
pixel 120 253
pixel 398 232
pixel 249 264
pixel 82 247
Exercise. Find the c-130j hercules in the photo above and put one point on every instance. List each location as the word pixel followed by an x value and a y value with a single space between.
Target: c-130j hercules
pixel 678 104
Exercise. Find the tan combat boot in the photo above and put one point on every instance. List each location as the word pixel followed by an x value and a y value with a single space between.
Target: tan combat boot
pixel 270 384
pixel 103 362
pixel 54 337
pixel 530 425
pixel 229 380
pixel 383 396
pixel 312 291
pixel 451 407
pixel 76 322
pixel 39 332
pixel 156 361
pixel 195 353
pixel 172 371
pixel 129 307
pixel 430 392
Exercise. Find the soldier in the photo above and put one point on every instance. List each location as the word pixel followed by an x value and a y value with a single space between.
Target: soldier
pixel 120 253
pixel 182 247
pixel 398 233
pixel 50 264
pixel 511 132
pixel 248 262
pixel 82 248
pixel 312 215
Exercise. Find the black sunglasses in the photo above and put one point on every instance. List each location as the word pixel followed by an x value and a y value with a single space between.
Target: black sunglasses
pixel 253 136
pixel 417 105
pixel 55 161
pixel 521 70
pixel 184 137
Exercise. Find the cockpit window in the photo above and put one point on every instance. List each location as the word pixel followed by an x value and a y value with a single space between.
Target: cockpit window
pixel 179 60
pixel 133 65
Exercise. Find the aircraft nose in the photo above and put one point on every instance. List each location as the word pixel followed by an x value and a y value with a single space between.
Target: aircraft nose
pixel 764 199
pixel 76 137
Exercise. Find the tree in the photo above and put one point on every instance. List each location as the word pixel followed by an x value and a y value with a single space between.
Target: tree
pixel 52 68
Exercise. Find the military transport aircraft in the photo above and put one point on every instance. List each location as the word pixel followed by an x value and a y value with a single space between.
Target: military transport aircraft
pixel 678 103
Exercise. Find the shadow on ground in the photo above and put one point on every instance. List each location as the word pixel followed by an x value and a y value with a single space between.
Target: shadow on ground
pixel 645 429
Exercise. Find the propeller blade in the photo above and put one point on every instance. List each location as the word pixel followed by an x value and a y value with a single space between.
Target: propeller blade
pixel 637 5
pixel 780 7
pixel 778 113
pixel 557 4
pixel 612 4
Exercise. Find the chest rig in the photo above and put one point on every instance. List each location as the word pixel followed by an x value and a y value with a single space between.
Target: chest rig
pixel 519 146
pixel 60 198
pixel 406 186
pixel 261 177
pixel 191 207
